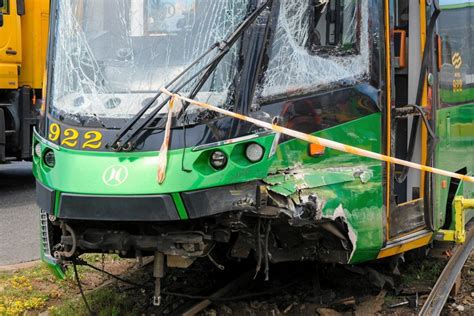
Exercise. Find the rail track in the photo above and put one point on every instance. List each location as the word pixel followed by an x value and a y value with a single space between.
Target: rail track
pixel 440 292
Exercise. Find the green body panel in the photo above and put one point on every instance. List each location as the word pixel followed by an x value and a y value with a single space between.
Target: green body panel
pixel 460 97
pixel 358 199
pixel 178 202
pixel 54 267
pixel 455 151
pixel 81 172
pixel 457 6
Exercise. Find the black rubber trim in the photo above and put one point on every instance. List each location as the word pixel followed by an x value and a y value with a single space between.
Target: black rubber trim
pixel 45 198
pixel 118 208
pixel 217 200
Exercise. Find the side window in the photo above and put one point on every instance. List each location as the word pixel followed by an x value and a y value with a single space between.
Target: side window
pixel 6 7
pixel 457 72
pixel 316 44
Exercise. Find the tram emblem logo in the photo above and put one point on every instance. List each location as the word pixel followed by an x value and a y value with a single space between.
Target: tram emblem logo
pixel 115 175
pixel 457 60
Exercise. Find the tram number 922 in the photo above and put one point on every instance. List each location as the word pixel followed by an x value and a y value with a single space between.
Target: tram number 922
pixel 72 138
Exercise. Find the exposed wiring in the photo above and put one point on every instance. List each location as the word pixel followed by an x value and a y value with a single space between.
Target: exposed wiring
pixel 79 261
pixel 85 263
pixel 259 249
pixel 79 285
pixel 425 120
pixel 267 235
pixel 404 173
pixel 230 298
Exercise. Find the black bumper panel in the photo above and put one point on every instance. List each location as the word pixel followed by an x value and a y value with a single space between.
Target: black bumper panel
pixel 117 208
pixel 220 199
pixel 45 198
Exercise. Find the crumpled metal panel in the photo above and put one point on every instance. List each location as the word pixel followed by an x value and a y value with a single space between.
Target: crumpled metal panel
pixel 300 179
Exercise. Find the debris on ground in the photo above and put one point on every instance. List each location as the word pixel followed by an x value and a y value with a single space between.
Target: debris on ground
pixel 330 290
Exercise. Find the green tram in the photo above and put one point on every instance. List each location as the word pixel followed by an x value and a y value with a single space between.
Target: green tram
pixel 393 77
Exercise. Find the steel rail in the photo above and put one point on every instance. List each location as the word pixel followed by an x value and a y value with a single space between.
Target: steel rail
pixel 440 292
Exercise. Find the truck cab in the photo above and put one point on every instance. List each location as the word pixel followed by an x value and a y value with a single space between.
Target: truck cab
pixel 23 42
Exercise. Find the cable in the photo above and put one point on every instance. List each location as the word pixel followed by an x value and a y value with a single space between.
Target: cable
pixel 425 120
pixel 267 235
pixel 231 298
pixel 404 173
pixel 185 122
pixel 259 253
pixel 196 297
pixel 79 285
pixel 85 263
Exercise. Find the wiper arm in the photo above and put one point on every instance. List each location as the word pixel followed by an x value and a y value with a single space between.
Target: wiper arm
pixel 116 144
pixel 125 136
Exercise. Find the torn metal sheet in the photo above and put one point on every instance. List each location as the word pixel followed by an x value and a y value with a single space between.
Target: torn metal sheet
pixel 339 212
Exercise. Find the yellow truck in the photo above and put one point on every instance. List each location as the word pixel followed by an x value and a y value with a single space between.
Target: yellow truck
pixel 23 42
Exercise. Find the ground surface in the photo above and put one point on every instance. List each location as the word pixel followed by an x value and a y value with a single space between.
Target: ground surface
pixel 19 224
pixel 290 291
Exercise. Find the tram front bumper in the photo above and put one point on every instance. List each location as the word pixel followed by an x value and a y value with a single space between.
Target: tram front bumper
pixel 149 208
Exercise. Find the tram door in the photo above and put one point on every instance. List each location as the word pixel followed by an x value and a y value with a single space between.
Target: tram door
pixel 408 138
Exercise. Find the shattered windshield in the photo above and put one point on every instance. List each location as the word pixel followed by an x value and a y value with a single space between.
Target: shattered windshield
pixel 112 56
pixel 317 43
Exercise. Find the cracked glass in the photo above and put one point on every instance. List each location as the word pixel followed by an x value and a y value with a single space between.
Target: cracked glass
pixel 112 56
pixel 316 44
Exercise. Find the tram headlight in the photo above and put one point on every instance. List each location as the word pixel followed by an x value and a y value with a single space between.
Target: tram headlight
pixel 254 152
pixel 38 149
pixel 218 160
pixel 49 158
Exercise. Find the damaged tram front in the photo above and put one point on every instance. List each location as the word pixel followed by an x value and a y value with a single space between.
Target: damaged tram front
pixel 321 67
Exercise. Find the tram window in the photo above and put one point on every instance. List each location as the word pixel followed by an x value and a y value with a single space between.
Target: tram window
pixel 317 44
pixel 332 26
pixel 457 73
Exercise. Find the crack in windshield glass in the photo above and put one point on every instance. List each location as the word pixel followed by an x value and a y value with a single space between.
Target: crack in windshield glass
pixel 112 56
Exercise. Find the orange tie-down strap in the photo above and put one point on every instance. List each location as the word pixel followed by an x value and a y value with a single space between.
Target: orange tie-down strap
pixel 163 156
pixel 322 141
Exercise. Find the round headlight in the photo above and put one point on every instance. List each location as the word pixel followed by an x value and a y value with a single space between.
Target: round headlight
pixel 254 152
pixel 38 149
pixel 49 158
pixel 218 160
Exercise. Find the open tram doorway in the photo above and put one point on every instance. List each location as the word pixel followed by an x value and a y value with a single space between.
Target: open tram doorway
pixel 408 201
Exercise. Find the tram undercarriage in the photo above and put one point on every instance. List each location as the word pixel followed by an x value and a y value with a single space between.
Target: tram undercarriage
pixel 294 233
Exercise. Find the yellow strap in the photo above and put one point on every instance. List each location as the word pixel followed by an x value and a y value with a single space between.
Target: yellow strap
pixel 324 142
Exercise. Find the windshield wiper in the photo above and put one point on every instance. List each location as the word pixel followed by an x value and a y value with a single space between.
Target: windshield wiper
pixel 128 133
